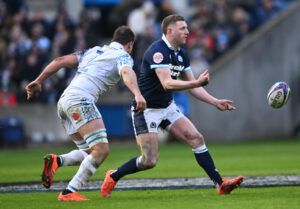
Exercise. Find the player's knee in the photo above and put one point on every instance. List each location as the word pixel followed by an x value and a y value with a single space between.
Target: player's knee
pixel 194 138
pixel 100 151
pixel 149 163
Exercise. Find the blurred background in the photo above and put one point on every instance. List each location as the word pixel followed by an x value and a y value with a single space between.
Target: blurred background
pixel 246 44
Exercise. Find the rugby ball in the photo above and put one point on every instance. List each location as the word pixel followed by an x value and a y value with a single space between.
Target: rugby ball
pixel 278 94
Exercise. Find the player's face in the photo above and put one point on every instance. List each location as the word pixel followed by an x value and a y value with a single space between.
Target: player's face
pixel 180 32
pixel 129 47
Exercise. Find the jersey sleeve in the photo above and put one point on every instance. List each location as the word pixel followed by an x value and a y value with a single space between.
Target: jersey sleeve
pixel 79 55
pixel 124 60
pixel 158 59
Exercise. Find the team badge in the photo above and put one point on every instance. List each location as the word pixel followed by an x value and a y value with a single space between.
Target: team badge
pixel 158 57
pixel 152 125
pixel 180 58
pixel 76 116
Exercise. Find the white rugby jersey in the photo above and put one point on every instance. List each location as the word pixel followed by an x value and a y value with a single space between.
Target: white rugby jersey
pixel 98 70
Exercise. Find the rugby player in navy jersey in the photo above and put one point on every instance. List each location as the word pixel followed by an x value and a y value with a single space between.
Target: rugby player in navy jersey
pixel 164 62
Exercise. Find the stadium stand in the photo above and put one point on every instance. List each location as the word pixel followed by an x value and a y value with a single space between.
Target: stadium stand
pixel 28 41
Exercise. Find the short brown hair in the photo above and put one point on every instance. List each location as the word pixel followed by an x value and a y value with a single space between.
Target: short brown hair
pixel 171 19
pixel 123 35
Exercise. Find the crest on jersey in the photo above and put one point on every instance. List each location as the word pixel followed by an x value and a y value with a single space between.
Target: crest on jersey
pixel 158 57
pixel 76 116
pixel 180 59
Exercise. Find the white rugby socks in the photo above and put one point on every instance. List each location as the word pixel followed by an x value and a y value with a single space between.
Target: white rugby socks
pixel 87 168
pixel 75 157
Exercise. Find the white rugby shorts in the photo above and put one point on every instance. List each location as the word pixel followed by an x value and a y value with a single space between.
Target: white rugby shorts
pixel 150 119
pixel 74 112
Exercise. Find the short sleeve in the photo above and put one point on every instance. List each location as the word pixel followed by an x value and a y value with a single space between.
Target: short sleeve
pixel 124 60
pixel 158 59
pixel 79 55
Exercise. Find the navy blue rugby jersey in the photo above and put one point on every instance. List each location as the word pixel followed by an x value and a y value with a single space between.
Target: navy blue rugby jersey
pixel 160 55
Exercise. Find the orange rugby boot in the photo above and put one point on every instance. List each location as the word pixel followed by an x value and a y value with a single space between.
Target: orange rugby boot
pixel 50 167
pixel 108 184
pixel 74 196
pixel 229 184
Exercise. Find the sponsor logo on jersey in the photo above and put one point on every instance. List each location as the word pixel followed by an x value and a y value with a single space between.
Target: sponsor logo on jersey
pixel 158 57
pixel 176 68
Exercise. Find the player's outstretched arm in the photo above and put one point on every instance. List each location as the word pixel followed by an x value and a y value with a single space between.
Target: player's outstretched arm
pixel 168 83
pixel 201 94
pixel 129 78
pixel 35 87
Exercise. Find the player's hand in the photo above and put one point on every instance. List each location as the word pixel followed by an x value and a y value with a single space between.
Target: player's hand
pixel 224 104
pixel 141 103
pixel 203 78
pixel 33 88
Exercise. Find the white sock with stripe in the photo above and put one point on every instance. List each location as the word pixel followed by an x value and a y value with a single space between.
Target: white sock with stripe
pixel 75 157
pixel 87 168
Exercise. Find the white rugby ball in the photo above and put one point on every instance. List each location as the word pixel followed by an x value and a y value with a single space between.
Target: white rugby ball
pixel 278 94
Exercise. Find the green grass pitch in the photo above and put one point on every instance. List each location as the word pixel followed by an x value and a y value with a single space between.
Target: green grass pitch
pixel 250 198
pixel 176 160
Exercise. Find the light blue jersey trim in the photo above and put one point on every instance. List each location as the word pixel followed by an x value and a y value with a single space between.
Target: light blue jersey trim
pixel 187 69
pixel 159 66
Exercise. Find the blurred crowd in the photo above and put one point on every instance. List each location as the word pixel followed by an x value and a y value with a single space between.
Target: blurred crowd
pixel 29 42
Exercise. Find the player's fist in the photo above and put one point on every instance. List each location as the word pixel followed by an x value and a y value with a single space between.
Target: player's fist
pixel 33 88
pixel 203 78
pixel 140 103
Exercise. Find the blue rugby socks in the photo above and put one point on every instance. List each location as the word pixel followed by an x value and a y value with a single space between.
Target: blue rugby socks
pixel 205 160
pixel 125 169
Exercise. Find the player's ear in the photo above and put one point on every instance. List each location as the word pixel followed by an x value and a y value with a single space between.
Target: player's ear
pixel 129 46
pixel 169 30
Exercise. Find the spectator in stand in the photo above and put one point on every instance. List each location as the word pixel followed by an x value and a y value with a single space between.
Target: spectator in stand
pixel 165 8
pixel 39 40
pixel 142 21
pixel 214 27
pixel 241 24
pixel 265 10
pixel 198 61
pixel 142 17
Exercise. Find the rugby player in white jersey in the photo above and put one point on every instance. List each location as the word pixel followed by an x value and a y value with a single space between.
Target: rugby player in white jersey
pixel 99 68
pixel 165 68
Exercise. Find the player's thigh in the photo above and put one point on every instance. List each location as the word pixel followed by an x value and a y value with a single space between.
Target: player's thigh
pixel 184 130
pixel 147 121
pixel 148 144
pixel 94 133
pixel 79 115
pixel 91 126
pixel 95 136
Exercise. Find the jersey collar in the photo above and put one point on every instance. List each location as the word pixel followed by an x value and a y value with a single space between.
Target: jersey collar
pixel 116 45
pixel 164 38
